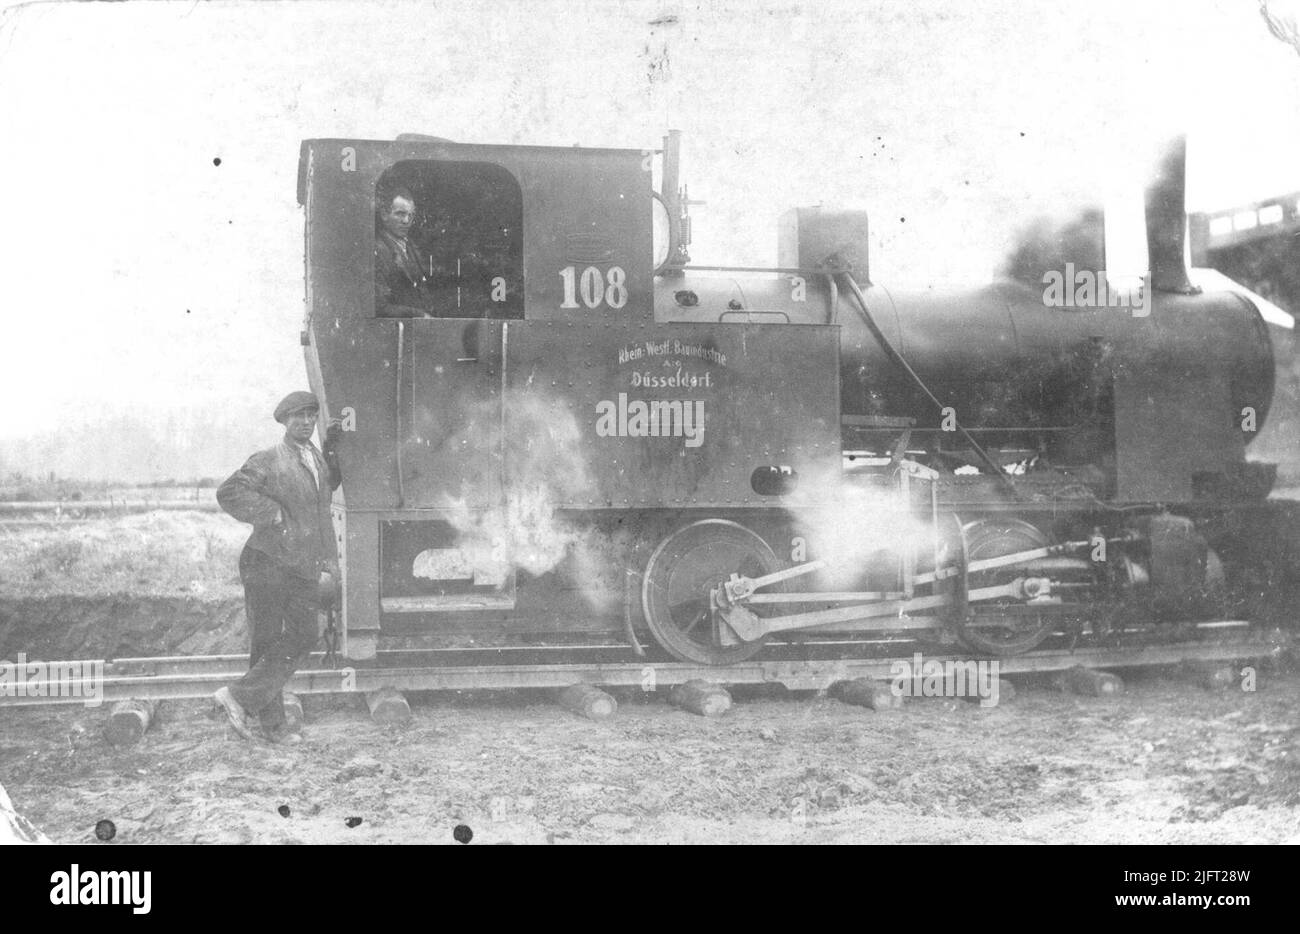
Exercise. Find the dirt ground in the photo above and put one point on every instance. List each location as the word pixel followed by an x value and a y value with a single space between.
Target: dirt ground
pixel 1167 762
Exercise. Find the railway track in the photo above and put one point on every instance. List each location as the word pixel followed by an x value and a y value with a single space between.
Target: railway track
pixel 26 514
pixel 180 677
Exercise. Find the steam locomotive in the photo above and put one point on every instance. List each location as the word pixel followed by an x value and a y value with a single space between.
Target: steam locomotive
pixel 571 436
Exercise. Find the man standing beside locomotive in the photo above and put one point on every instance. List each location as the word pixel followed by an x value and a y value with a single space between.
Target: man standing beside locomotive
pixel 289 565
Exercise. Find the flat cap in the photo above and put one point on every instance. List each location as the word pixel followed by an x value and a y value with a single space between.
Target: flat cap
pixel 293 402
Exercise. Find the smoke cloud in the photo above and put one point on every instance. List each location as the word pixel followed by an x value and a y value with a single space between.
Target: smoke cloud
pixel 540 450
pixel 1047 243
pixel 855 525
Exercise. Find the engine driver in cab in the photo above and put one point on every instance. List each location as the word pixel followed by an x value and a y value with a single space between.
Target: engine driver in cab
pixel 403 286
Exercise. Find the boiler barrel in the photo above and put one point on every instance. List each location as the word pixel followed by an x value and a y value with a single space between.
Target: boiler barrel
pixel 999 355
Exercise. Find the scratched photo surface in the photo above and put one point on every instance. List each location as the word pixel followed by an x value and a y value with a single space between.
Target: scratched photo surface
pixel 678 375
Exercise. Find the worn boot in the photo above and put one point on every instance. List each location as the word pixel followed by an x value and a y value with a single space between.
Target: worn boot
pixel 236 714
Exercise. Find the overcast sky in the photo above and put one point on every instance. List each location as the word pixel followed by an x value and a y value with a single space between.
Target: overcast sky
pixel 139 276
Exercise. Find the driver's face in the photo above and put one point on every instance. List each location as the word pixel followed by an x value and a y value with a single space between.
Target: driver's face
pixel 397 219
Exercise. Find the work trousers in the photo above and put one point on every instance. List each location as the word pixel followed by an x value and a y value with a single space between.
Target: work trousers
pixel 282 612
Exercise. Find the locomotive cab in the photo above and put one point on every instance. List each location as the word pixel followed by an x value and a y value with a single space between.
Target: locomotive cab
pixel 481 320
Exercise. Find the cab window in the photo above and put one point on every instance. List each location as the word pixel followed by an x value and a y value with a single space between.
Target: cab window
pixel 448 241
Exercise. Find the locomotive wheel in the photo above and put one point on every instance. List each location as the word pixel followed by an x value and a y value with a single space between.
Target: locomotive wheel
pixel 1017 631
pixel 683 570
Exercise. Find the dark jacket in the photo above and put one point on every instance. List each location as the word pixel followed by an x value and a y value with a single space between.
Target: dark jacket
pixel 404 283
pixel 275 493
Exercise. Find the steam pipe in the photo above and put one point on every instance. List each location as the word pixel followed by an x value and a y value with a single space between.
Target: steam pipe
pixel 672 197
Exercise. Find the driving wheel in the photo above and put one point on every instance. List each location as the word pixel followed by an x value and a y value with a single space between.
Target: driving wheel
pixel 681 575
pixel 1004 626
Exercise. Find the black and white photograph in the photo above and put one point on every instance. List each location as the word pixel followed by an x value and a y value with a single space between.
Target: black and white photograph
pixel 651 422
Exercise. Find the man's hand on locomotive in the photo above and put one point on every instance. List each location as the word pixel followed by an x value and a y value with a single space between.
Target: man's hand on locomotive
pixel 329 450
pixel 333 432
pixel 329 447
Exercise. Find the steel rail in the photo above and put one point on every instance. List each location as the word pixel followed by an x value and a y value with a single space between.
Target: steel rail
pixel 185 677
pixel 111 506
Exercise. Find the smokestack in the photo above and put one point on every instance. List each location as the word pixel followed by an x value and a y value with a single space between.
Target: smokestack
pixel 1166 216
